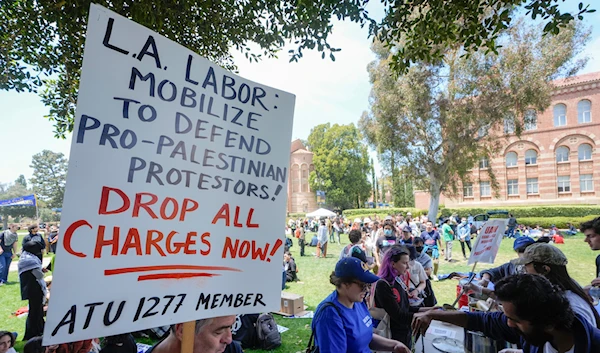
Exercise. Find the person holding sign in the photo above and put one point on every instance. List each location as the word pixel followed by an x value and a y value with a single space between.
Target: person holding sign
pixel 212 336
pixel 342 322
pixel 533 313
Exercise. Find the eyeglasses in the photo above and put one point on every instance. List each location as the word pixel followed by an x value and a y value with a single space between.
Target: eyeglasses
pixel 362 285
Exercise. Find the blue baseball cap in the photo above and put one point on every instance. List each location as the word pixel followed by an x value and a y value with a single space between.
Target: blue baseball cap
pixel 351 267
pixel 522 242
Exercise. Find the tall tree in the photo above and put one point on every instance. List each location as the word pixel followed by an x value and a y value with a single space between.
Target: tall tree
pixel 21 180
pixel 444 118
pixel 10 191
pixel 374 184
pixel 41 42
pixel 49 177
pixel 341 165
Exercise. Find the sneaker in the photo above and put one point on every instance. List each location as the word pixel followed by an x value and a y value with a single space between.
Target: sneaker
pixel 435 278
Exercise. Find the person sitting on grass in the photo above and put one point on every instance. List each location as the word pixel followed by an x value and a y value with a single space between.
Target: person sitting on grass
pixel 571 230
pixel 290 267
pixel 211 336
pixel 7 342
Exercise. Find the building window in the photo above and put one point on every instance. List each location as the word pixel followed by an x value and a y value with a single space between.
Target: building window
pixel 562 154
pixel 511 159
pixel 468 189
pixel 584 111
pixel 530 157
pixel 560 115
pixel 564 183
pixel 509 125
pixel 584 152
pixel 512 187
pixel 586 183
pixel 530 121
pixel 484 163
pixel 485 189
pixel 532 186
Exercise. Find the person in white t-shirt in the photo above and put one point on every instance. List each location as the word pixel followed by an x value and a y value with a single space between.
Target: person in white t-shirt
pixel 549 261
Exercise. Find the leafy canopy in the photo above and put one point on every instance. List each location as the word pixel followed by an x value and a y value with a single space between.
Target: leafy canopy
pixel 439 120
pixel 49 177
pixel 341 165
pixel 41 41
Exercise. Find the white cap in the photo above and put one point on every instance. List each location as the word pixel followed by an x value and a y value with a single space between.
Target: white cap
pixel 367 220
pixel 357 220
pixel 409 214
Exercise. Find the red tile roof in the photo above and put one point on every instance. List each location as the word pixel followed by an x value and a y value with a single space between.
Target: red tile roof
pixel 576 80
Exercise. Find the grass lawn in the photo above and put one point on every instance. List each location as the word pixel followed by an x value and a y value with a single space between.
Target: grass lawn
pixel 314 285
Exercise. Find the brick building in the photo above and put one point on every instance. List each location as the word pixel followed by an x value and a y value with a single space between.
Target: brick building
pixel 553 162
pixel 300 197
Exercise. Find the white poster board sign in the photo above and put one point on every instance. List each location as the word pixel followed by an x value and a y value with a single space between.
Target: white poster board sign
pixel 176 191
pixel 488 242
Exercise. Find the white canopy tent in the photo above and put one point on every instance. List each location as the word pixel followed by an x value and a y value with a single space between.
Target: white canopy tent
pixel 321 212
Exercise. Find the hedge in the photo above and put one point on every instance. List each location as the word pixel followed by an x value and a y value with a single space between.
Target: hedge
pixel 362 212
pixel 526 212
pixel 559 222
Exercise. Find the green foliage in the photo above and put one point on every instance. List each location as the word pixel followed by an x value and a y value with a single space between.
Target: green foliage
pixel 41 42
pixel 538 212
pixel 10 191
pixel 439 119
pixel 559 222
pixel 297 215
pixel 341 165
pixel 49 177
pixel 21 180
pixel 47 215
pixel 381 212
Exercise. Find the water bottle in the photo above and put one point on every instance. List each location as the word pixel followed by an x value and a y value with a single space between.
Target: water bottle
pixel 595 294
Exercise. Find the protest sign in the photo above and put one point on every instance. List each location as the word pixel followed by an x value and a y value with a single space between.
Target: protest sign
pixel 175 195
pixel 488 242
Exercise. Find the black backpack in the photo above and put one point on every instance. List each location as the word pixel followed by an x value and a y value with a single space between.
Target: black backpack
pixel 266 332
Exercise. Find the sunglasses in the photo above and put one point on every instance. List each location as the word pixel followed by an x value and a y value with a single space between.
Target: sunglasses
pixel 362 285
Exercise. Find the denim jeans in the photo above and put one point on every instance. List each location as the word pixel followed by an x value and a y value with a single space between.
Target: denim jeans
pixel 5 260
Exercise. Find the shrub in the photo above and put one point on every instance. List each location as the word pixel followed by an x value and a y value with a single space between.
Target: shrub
pixel 381 212
pixel 528 212
pixel 560 222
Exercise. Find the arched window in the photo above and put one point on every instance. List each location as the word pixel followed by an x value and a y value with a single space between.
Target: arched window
pixel 584 152
pixel 304 178
pixel 560 115
pixel 530 157
pixel 511 159
pixel 584 111
pixel 562 154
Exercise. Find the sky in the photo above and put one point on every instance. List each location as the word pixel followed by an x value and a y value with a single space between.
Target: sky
pixel 326 91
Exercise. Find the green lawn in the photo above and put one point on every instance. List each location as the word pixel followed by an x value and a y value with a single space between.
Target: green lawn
pixel 314 285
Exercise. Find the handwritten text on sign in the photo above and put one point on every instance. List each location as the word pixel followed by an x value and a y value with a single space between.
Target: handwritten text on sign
pixel 488 242
pixel 174 197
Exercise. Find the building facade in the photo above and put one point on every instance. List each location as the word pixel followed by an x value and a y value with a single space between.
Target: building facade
pixel 554 161
pixel 301 198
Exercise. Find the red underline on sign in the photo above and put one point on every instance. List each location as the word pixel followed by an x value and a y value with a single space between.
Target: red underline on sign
pixel 119 271
pixel 174 276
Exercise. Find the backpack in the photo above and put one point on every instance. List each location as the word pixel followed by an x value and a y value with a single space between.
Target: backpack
pixel 266 332
pixel 347 251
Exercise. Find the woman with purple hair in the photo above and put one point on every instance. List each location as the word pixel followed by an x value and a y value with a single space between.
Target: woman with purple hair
pixel 392 293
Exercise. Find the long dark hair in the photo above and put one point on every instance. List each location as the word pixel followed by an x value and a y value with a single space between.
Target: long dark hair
pixel 559 276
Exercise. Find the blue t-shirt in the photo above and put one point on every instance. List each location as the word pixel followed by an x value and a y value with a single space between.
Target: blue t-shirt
pixel 351 333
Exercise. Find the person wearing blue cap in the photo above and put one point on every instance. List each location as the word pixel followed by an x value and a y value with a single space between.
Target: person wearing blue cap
pixel 342 322
pixel 510 268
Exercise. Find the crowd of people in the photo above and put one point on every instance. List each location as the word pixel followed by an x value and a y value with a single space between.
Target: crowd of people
pixel 382 298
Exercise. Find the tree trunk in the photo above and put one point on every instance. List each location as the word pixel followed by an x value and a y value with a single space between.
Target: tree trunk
pixel 435 191
pixel 4 221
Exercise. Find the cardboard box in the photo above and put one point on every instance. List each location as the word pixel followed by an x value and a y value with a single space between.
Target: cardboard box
pixel 291 304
